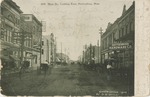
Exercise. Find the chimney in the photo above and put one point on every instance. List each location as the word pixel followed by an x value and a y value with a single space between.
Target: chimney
pixel 124 9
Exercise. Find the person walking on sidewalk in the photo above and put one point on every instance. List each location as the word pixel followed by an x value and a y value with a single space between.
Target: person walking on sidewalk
pixel 109 71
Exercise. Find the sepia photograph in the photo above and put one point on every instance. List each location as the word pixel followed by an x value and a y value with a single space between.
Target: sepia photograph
pixel 67 47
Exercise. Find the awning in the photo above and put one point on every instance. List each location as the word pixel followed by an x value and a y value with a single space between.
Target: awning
pixel 57 59
pixel 29 57
pixel 6 58
pixel 14 57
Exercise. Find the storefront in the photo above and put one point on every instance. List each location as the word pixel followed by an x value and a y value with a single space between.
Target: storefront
pixel 8 59
pixel 120 55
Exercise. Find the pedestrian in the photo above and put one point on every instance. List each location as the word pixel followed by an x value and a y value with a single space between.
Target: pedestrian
pixel 109 67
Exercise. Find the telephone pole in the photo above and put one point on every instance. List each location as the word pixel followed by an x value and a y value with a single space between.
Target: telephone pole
pixel 98 51
pixel 101 32
pixel 61 52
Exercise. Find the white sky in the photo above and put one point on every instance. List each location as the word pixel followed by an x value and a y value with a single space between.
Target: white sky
pixel 74 25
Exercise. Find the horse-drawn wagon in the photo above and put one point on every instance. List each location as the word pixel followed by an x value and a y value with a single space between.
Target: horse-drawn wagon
pixel 44 68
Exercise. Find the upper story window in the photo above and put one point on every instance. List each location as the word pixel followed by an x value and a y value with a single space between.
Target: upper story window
pixel 131 26
pixel 42 51
pixel 126 29
pixel 120 33
pixel 42 42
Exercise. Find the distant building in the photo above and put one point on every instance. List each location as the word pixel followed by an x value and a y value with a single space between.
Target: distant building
pixel 49 48
pixel 45 51
pixel 97 57
pixel 62 58
pixel 91 55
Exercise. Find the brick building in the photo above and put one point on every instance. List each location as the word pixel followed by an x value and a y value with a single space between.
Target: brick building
pixel 118 40
pixel 10 24
pixel 33 32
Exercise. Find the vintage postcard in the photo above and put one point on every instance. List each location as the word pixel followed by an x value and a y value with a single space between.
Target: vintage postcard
pixel 75 47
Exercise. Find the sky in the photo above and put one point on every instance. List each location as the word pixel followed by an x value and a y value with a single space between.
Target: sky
pixel 74 22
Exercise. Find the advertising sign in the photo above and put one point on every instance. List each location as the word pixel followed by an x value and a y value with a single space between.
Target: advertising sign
pixel 120 47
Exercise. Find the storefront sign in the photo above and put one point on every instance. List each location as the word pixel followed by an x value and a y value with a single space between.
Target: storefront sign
pixel 120 44
pixel 120 47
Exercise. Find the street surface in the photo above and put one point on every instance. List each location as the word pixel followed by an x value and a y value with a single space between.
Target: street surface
pixel 63 80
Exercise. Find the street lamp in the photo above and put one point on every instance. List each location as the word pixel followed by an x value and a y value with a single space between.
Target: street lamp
pixel 101 32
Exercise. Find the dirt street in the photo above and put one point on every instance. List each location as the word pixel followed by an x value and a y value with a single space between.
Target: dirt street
pixel 63 80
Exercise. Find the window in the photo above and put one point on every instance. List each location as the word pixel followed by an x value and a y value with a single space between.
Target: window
pixel 35 59
pixel 5 35
pixel 42 51
pixel 110 40
pixel 126 29
pixel 120 33
pixel 114 36
pixel 123 32
pixel 2 34
pixel 132 26
pixel 8 36
pixel 42 42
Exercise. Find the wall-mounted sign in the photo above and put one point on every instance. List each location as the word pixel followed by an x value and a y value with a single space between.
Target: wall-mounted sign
pixel 120 44
pixel 27 17
pixel 120 47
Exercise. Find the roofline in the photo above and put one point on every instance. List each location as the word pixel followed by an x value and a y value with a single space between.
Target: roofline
pixel 34 18
pixel 14 5
pixel 118 19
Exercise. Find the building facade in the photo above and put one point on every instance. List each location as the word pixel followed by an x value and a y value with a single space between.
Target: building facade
pixel 53 48
pixel 91 55
pixel 19 36
pixel 45 50
pixel 33 37
pixel 49 48
pixel 118 40
pixel 10 29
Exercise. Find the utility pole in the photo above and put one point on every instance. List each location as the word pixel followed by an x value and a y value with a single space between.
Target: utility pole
pixel 22 44
pixel 55 51
pixel 65 55
pixel 101 32
pixel 61 52
pixel 98 50
pixel 41 45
